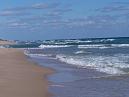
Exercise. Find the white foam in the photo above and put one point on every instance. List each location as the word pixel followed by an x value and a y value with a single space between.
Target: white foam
pixel 78 41
pixel 110 65
pixel 26 52
pixel 111 39
pixel 80 52
pixel 43 55
pixel 101 46
pixel 110 70
pixel 120 45
pixel 106 40
pixel 53 46
pixel 2 47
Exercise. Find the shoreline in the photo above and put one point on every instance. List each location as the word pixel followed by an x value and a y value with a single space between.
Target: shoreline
pixel 69 80
pixel 20 77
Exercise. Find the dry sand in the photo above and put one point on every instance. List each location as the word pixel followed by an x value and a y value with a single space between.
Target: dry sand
pixel 20 77
pixel 4 42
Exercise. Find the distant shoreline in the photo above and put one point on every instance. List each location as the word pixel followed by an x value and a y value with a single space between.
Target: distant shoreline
pixel 6 42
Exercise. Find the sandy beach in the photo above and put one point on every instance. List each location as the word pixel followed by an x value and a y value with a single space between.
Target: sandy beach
pixel 20 77
pixel 5 42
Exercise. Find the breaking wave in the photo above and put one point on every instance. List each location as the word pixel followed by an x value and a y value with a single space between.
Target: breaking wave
pixel 53 46
pixel 111 65
pixel 107 55
pixel 103 46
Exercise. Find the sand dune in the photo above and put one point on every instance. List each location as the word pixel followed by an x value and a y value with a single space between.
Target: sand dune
pixel 4 42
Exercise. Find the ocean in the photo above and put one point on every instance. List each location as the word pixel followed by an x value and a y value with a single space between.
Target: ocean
pixel 107 55
pixel 92 67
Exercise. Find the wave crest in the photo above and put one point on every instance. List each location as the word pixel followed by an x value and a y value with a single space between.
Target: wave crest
pixel 110 65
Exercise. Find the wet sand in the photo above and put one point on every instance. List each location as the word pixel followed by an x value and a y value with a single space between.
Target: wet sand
pixel 20 77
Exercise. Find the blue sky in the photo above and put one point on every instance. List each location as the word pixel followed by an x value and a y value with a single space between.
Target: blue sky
pixel 57 19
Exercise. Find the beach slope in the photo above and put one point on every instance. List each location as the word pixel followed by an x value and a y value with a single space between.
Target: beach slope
pixel 20 77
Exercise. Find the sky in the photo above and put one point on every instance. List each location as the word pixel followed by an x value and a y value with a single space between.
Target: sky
pixel 63 19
